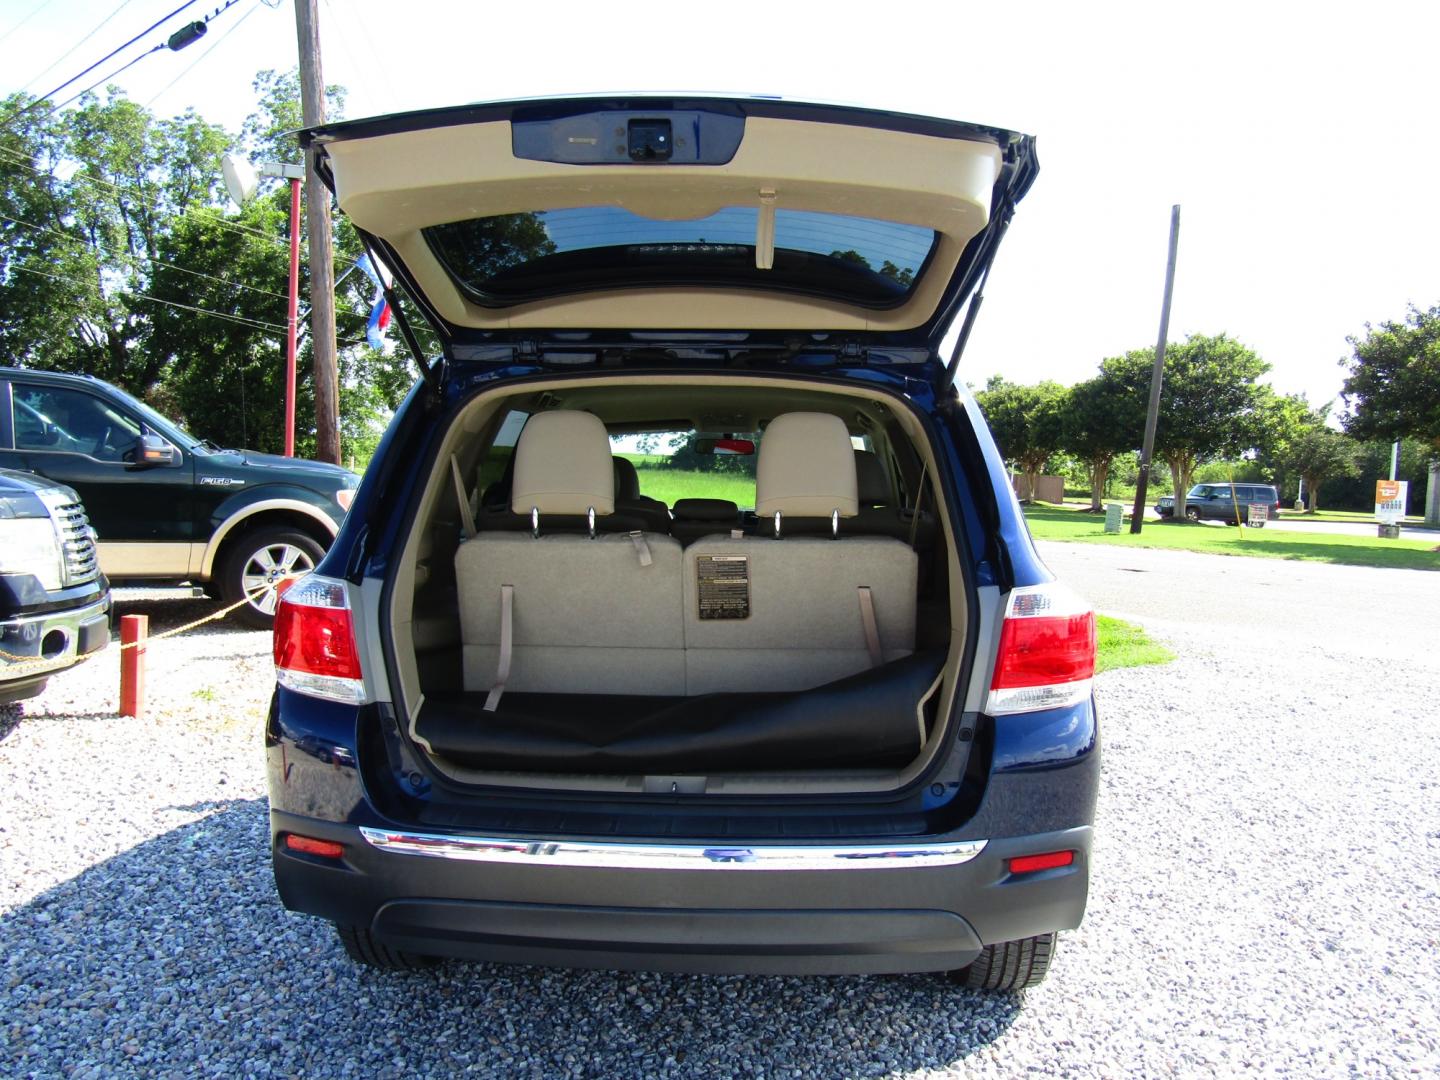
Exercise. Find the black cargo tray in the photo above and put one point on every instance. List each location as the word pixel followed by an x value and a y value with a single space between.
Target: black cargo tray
pixel 867 720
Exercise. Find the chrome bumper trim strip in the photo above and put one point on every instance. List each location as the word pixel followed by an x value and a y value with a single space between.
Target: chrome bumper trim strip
pixel 718 856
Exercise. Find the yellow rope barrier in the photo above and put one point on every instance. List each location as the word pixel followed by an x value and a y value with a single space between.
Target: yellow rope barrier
pixel 36 661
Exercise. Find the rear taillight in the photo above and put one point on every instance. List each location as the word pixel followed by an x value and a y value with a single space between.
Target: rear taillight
pixel 308 845
pixel 1029 864
pixel 315 650
pixel 1046 658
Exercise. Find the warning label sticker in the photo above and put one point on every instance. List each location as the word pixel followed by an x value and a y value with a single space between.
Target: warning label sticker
pixel 723 585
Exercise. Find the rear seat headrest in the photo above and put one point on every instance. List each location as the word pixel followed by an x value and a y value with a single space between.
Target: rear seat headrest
pixel 627 480
pixel 870 483
pixel 806 467
pixel 563 465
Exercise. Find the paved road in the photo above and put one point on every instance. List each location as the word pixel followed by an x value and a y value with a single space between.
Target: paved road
pixel 1272 604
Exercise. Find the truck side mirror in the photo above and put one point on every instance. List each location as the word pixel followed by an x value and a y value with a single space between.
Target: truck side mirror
pixel 151 449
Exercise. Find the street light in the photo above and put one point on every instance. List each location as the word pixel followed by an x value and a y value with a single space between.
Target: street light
pixel 241 180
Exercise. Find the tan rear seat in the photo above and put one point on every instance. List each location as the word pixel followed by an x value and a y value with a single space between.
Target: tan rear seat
pixel 790 613
pixel 597 614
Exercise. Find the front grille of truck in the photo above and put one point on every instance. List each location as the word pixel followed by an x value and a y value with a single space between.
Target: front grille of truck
pixel 76 542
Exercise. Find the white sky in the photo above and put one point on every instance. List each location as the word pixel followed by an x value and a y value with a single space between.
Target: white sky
pixel 1300 139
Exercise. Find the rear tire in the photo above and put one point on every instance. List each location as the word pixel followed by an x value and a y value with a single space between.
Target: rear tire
pixel 363 947
pixel 257 562
pixel 1008 966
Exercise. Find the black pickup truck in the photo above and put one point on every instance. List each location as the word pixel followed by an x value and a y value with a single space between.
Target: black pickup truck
pixel 54 601
pixel 169 508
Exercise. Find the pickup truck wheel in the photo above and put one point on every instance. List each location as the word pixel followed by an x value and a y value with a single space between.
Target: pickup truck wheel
pixel 1193 513
pixel 362 947
pixel 1009 965
pixel 256 565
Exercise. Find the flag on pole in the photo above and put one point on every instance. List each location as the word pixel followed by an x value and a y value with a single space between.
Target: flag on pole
pixel 380 309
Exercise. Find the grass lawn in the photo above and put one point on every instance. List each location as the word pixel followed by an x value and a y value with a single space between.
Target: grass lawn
pixel 667 485
pixel 1055 523
pixel 1120 644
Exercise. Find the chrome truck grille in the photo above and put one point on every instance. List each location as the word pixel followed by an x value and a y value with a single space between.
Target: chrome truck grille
pixel 77 539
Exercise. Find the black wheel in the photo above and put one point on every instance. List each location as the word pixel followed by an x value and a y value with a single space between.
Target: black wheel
pixel 1009 965
pixel 257 563
pixel 362 947
pixel 1193 513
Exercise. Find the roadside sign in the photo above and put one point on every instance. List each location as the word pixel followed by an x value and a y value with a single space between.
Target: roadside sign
pixel 1257 514
pixel 1390 500
pixel 1113 515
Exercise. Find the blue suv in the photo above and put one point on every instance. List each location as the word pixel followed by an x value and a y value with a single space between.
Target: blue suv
pixel 809 703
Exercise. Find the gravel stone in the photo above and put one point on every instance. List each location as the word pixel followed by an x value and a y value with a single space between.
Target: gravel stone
pixel 1263 899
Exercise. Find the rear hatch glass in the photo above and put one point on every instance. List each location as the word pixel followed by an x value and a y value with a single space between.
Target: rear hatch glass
pixel 511 258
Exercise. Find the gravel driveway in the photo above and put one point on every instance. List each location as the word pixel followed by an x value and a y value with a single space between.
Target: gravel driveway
pixel 1264 897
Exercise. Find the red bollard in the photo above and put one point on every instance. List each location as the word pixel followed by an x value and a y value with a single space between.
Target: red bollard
pixel 134 630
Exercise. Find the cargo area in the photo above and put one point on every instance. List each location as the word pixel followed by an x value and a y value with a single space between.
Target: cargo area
pixel 557 624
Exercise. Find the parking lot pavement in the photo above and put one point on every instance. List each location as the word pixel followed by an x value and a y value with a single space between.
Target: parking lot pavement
pixel 1264 897
pixel 1275 605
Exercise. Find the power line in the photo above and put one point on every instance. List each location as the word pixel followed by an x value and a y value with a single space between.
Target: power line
pixel 33 12
pixel 362 70
pixel 254 324
pixel 24 162
pixel 109 55
pixel 194 63
pixel 206 212
pixel 70 51
pixel 105 78
pixel 134 259
pixel 170 44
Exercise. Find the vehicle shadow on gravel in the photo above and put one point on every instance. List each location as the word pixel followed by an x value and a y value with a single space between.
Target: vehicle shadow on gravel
pixel 176 957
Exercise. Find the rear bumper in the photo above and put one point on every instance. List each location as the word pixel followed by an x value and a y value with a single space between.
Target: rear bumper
pixel 731 909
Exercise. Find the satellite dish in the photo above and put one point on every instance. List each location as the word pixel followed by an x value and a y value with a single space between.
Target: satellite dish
pixel 241 179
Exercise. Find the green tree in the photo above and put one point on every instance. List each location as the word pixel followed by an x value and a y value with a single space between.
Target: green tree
pixel 1318 453
pixel 1211 405
pixel 1392 388
pixel 88 196
pixel 1281 419
pixel 121 257
pixel 1103 418
pixel 1025 421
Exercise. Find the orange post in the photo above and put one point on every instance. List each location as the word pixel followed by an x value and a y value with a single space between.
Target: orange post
pixel 134 630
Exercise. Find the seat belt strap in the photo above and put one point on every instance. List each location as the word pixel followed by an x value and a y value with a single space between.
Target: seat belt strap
pixel 467 518
pixel 871 627
pixel 919 500
pixel 507 618
pixel 642 549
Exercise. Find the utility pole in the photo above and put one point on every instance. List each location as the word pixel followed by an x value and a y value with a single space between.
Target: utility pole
pixel 1152 414
pixel 322 258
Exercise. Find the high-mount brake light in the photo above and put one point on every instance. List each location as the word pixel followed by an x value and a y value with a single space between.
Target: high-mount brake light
pixel 315 650
pixel 1046 658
